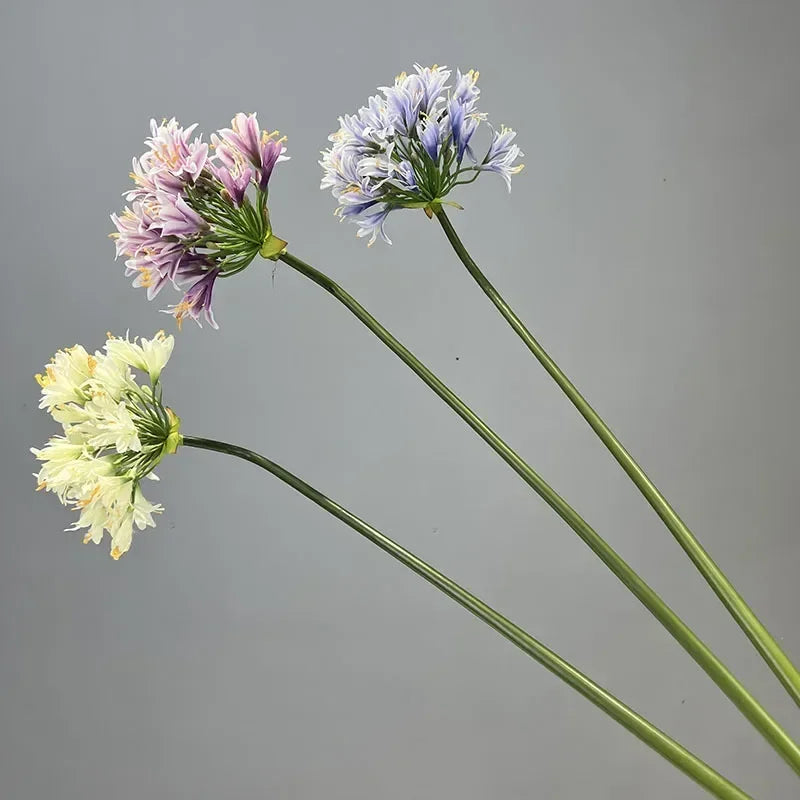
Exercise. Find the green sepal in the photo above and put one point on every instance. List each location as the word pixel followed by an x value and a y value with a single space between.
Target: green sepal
pixel 435 206
pixel 174 438
pixel 272 247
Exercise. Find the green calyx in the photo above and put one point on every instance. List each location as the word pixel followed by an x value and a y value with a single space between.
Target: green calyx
pixel 158 428
pixel 234 234
pixel 174 438
pixel 435 206
pixel 272 247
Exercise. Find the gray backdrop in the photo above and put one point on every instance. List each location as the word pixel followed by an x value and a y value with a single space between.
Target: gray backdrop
pixel 251 646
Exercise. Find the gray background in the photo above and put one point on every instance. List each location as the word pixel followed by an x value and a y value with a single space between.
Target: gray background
pixel 251 646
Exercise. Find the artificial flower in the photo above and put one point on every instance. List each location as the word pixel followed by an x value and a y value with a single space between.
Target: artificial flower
pixel 114 434
pixel 190 220
pixel 409 147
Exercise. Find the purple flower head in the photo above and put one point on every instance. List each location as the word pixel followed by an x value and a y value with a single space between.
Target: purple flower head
pixel 409 147
pixel 197 301
pixel 190 218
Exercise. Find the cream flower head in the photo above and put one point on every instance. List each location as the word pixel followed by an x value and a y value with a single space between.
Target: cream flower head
pixel 115 432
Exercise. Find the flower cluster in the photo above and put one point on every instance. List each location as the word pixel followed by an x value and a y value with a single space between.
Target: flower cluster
pixel 410 147
pixel 114 434
pixel 190 220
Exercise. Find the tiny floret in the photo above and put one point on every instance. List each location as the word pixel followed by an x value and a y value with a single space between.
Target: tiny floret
pixel 410 146
pixel 114 433
pixel 147 355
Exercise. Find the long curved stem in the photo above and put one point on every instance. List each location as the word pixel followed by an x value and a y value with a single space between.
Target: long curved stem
pixel 667 747
pixel 758 634
pixel 699 651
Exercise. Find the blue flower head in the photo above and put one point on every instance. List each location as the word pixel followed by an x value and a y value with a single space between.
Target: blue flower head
pixel 410 146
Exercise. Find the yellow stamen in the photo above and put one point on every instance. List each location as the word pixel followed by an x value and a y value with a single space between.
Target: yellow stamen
pixel 91 362
pixel 86 501
pixel 180 311
pixel 137 178
pixel 42 380
pixel 87 538
pixel 116 553
pixel 41 485
pixel 146 277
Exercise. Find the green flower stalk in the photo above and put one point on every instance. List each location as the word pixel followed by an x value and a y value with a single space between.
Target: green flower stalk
pixel 683 634
pixel 672 751
pixel 762 639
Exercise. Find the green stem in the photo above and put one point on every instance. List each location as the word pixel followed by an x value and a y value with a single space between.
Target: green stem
pixel 761 638
pixel 699 651
pixel 664 745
